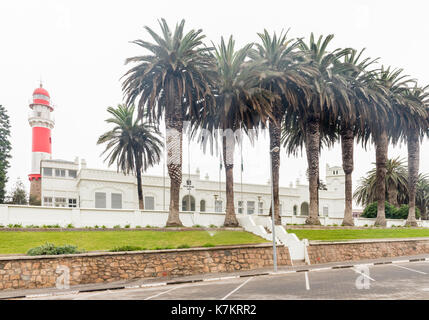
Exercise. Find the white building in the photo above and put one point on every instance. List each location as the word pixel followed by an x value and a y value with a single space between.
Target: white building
pixel 72 184
pixel 59 183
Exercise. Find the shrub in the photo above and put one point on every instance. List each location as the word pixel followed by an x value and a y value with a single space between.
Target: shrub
pixel 138 227
pixel 127 248
pixel 1 226
pixel 51 226
pixel 183 246
pixel 391 211
pixel 212 226
pixel 117 226
pixel 197 226
pixel 32 226
pixel 127 226
pixel 51 249
pixel 103 227
pixel 208 245
pixel 70 226
pixel 16 225
pixel 148 226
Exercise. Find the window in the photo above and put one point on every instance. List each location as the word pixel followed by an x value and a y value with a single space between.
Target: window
pixel 60 202
pixel 116 201
pixel 100 200
pixel 240 207
pixel 47 201
pixel 250 207
pixel 325 210
pixel 203 205
pixel 60 172
pixel 295 210
pixel 260 207
pixel 72 173
pixel 218 206
pixel 149 203
pixel 72 203
pixel 47 172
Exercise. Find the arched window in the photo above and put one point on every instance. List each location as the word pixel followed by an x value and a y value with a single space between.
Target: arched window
pixel 304 209
pixel 188 205
pixel 202 205
pixel 295 210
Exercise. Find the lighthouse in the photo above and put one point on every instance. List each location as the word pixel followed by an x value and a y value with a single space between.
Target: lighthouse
pixel 42 122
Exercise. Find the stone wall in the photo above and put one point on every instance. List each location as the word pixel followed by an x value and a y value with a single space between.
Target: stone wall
pixel 323 252
pixel 23 272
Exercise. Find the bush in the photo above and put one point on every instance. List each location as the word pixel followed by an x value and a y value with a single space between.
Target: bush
pixel 16 225
pixel 213 226
pixel 70 226
pixel 117 227
pixel 391 211
pixel 208 245
pixel 183 246
pixel 197 226
pixel 51 249
pixel 127 248
pixel 127 226
pixel 32 226
pixel 51 226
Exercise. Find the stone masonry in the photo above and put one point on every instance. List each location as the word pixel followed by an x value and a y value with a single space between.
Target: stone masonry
pixel 24 272
pixel 324 252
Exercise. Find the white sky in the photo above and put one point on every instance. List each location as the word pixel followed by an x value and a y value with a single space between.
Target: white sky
pixel 78 48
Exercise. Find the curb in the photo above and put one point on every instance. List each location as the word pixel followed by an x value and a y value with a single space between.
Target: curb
pixel 160 284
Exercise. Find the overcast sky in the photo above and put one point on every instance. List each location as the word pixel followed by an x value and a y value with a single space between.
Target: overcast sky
pixel 78 49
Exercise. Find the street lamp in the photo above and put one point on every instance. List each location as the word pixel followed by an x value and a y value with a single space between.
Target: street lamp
pixel 275 149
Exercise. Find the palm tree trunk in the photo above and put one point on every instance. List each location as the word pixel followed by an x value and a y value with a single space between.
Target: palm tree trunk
pixel 413 173
pixel 312 145
pixel 392 194
pixel 139 187
pixel 347 144
pixel 380 162
pixel 174 128
pixel 228 160
pixel 275 133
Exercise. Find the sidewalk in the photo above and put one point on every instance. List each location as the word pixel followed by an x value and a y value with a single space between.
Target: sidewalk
pixel 150 282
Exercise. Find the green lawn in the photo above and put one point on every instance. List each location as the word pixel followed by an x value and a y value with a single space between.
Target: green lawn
pixel 348 234
pixel 21 241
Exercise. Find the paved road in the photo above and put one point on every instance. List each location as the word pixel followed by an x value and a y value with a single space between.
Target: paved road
pixel 391 281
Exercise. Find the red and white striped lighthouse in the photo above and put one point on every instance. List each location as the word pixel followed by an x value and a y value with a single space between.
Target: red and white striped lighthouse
pixel 41 121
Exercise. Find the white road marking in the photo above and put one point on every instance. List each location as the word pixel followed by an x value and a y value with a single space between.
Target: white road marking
pixel 409 269
pixel 164 292
pixel 307 283
pixel 236 289
pixel 89 295
pixel 363 274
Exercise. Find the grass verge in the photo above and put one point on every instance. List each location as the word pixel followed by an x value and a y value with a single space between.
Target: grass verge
pixel 21 241
pixel 350 234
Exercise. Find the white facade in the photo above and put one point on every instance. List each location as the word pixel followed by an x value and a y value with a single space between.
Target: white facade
pixel 70 184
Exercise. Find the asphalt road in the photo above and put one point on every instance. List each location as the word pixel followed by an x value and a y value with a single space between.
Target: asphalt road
pixel 391 281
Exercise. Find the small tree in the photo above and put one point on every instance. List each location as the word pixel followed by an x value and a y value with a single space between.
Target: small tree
pixel 5 148
pixel 19 195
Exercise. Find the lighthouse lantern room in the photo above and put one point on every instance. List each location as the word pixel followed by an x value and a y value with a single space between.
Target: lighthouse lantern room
pixel 41 121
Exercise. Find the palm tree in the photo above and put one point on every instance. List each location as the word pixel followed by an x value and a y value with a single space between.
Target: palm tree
pixel 286 75
pixel 330 93
pixel 168 82
pixel 134 146
pixel 395 179
pixel 394 83
pixel 350 116
pixel 415 124
pixel 422 195
pixel 240 105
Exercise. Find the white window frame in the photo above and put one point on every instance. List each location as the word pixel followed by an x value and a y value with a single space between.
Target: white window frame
pixel 251 207
pixel 146 204
pixel 112 195
pixel 105 200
